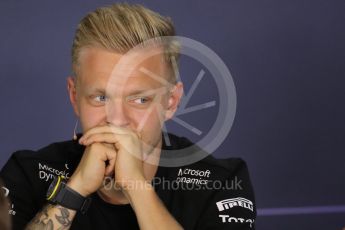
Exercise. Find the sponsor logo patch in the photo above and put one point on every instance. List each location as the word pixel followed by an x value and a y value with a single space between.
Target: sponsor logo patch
pixel 231 219
pixel 234 202
pixel 193 176
pixel 46 173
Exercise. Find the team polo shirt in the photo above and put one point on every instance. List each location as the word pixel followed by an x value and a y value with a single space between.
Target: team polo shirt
pixel 211 193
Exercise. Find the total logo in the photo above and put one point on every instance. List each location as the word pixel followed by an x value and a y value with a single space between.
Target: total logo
pixel 46 173
pixel 230 219
pixel 201 174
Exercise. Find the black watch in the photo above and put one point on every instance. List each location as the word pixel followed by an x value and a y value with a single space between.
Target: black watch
pixel 59 193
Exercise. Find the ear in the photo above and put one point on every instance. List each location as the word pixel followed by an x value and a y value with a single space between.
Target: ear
pixel 72 91
pixel 174 100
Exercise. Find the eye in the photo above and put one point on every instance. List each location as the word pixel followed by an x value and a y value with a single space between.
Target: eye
pixel 141 100
pixel 100 98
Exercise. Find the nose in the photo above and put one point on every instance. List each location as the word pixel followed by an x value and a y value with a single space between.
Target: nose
pixel 117 114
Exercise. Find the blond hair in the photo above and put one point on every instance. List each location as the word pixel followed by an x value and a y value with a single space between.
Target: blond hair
pixel 122 26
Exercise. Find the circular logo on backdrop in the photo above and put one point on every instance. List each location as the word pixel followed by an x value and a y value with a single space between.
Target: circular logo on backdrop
pixel 208 137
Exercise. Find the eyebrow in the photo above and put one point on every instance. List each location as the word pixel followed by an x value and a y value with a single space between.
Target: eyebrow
pixel 136 92
pixel 140 92
pixel 96 90
pixel 147 91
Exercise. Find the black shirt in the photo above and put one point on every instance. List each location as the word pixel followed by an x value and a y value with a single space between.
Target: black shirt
pixel 209 194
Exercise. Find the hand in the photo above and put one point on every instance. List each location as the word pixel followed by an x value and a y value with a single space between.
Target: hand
pixel 129 166
pixel 92 169
pixel 148 207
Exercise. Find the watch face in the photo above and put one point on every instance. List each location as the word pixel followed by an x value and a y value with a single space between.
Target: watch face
pixel 52 187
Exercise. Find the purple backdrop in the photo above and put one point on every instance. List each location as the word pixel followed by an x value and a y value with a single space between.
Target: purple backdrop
pixel 287 61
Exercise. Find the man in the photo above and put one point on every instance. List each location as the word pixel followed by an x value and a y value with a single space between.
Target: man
pixel 123 90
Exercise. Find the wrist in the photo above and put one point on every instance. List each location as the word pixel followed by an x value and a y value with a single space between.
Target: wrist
pixel 141 195
pixel 75 184
pixel 137 187
pixel 60 193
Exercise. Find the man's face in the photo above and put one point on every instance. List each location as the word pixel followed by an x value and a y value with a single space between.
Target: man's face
pixel 129 95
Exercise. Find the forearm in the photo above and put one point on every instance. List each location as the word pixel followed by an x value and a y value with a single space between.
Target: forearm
pixel 52 217
pixel 150 211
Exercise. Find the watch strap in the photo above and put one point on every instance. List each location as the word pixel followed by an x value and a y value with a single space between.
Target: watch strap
pixel 71 199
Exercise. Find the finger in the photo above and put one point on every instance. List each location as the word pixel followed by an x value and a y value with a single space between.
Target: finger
pixel 111 138
pixel 109 145
pixel 103 129
pixel 119 141
pixel 110 169
pixel 104 151
pixel 107 138
pixel 111 157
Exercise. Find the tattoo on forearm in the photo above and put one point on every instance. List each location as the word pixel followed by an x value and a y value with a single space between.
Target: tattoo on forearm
pixel 42 221
pixel 63 219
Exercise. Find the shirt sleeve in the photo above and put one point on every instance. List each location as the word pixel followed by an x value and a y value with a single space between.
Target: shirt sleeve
pixel 231 205
pixel 19 191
